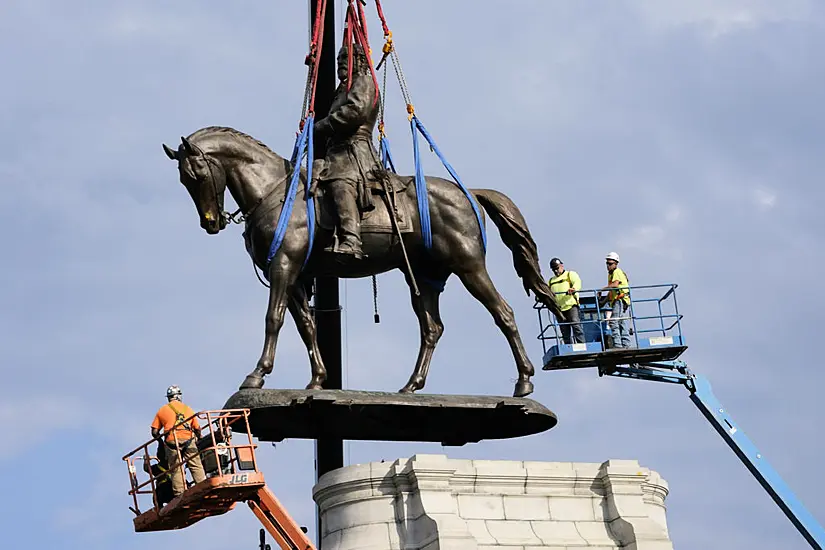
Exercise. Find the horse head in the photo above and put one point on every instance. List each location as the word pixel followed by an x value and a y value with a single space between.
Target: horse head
pixel 205 180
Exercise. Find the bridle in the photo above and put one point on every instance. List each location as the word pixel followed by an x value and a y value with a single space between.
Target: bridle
pixel 238 216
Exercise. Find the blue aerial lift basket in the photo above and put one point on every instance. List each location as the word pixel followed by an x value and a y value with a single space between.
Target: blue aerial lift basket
pixel 656 345
pixel 655 325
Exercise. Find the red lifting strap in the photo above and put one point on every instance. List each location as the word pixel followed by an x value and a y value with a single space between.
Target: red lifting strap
pixel 314 56
pixel 356 32
pixel 381 15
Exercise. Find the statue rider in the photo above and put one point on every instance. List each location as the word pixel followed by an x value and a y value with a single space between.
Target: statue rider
pixel 350 155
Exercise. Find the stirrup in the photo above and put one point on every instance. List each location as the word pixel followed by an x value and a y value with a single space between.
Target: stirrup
pixel 349 248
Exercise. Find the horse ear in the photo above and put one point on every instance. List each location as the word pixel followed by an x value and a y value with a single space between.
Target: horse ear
pixel 188 146
pixel 171 153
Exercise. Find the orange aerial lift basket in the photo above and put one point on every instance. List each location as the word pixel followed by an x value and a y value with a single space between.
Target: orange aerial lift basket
pixel 232 476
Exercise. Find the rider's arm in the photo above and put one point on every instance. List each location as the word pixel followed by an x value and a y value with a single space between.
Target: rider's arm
pixel 349 115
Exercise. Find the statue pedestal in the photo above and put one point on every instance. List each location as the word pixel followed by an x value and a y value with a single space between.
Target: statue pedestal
pixel 430 502
pixel 383 416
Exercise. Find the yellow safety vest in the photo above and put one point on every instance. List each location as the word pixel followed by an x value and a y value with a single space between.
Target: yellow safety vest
pixel 560 284
pixel 622 294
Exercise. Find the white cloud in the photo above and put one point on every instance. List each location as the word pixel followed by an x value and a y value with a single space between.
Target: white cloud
pixel 654 239
pixel 721 16
pixel 764 199
pixel 673 214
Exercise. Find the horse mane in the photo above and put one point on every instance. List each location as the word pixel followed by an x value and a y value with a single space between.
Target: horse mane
pixel 211 130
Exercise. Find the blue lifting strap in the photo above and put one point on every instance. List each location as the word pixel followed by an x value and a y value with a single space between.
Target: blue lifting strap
pixel 421 186
pixel 303 144
pixel 421 192
pixel 310 200
pixel 386 155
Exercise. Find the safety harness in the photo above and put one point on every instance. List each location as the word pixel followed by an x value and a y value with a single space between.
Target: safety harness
pixel 180 422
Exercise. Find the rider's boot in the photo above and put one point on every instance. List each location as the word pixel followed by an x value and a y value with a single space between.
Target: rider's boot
pixel 349 219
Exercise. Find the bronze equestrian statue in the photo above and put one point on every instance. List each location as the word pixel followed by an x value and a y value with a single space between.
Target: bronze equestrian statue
pixel 214 159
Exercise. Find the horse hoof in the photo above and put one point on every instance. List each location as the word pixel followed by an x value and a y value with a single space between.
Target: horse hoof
pixel 314 386
pixel 523 388
pixel 412 386
pixel 252 382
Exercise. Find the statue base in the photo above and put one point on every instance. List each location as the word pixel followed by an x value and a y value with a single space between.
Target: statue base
pixel 452 420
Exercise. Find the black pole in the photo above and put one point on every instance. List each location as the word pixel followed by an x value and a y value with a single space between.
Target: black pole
pixel 329 453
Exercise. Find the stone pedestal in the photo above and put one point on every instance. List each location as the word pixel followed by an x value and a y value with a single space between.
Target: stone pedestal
pixel 430 502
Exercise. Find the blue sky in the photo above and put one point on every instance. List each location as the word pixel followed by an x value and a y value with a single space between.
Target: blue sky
pixel 686 135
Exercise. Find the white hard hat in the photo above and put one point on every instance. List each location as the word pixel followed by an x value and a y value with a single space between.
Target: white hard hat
pixel 173 391
pixel 612 256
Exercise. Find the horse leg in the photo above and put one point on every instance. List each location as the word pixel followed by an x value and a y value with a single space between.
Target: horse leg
pixel 429 321
pixel 478 283
pixel 299 308
pixel 278 298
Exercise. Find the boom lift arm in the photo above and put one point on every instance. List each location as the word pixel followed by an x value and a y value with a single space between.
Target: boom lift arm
pixel 677 372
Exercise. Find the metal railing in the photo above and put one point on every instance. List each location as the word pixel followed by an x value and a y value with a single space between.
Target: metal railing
pixel 216 437
pixel 653 313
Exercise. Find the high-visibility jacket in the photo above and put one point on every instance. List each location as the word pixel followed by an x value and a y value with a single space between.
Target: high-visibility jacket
pixel 171 418
pixel 560 284
pixel 622 292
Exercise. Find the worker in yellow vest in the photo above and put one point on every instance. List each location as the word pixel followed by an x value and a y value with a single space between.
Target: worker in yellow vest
pixel 566 285
pixel 618 296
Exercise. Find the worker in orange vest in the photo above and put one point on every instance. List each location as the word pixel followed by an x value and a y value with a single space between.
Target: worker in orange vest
pixel 180 436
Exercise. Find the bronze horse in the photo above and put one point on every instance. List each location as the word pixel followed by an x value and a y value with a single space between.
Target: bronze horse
pixel 213 159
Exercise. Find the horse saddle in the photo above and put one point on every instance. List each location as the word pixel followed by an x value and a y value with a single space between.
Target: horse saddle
pixel 377 220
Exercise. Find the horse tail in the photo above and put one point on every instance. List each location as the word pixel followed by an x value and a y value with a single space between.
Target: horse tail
pixel 514 232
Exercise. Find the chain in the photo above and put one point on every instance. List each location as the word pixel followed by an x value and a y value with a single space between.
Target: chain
pixel 307 91
pixel 375 317
pixel 399 73
pixel 382 104
pixel 235 217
